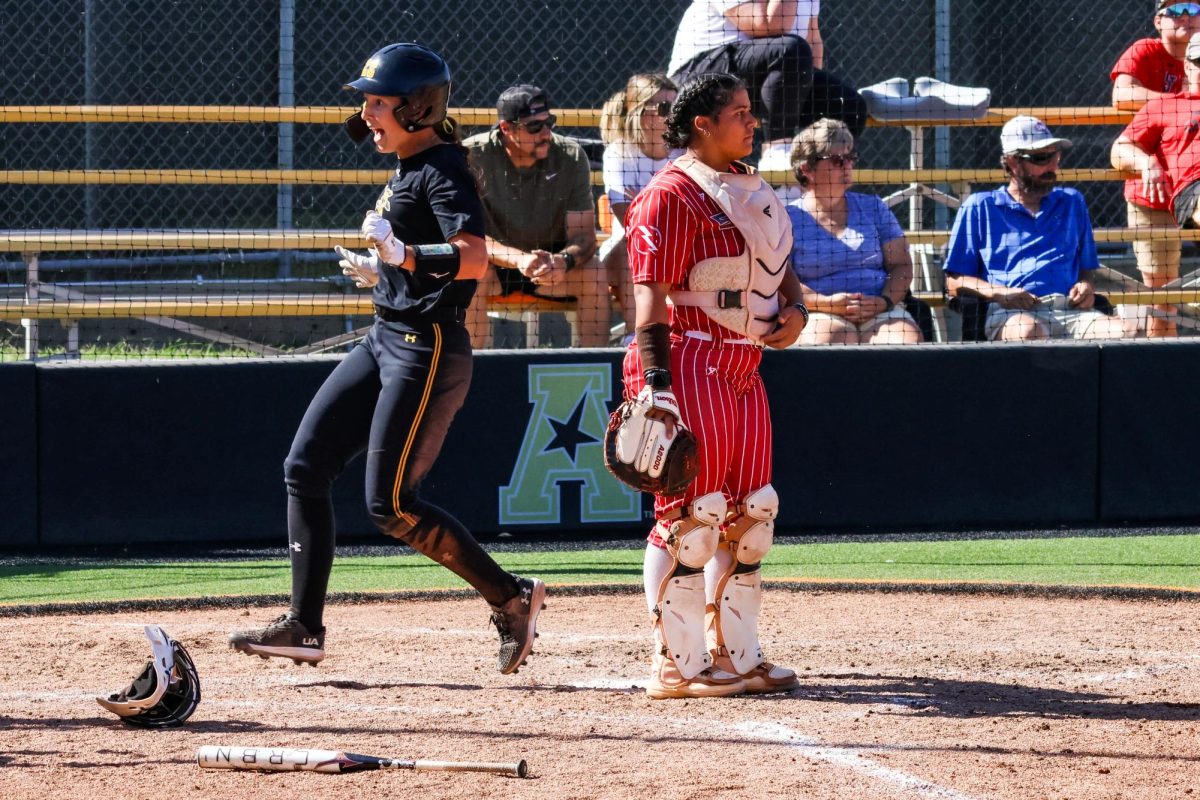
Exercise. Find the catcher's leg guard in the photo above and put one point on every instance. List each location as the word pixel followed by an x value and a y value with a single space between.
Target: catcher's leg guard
pixel 665 681
pixel 679 613
pixel 733 620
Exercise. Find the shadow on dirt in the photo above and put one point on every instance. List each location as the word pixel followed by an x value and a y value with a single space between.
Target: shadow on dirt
pixel 964 699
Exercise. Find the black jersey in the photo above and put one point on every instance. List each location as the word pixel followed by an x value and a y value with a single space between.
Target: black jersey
pixel 431 197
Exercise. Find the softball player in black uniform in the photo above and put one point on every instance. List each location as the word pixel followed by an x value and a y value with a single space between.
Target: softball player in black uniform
pixel 396 393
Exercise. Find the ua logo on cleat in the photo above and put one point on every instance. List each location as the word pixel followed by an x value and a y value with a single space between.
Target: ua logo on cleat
pixel 309 642
pixel 295 546
pixel 410 337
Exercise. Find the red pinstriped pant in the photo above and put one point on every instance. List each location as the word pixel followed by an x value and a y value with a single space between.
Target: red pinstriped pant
pixel 723 401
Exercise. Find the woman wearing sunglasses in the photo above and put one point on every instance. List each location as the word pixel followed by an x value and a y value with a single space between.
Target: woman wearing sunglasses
pixel 1150 68
pixel 632 125
pixel 708 244
pixel 848 250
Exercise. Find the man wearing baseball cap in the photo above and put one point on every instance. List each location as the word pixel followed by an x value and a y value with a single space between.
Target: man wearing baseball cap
pixel 1026 248
pixel 541 223
pixel 1148 68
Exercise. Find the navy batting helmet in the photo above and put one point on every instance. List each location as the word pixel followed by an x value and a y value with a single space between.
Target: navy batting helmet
pixel 165 692
pixel 415 74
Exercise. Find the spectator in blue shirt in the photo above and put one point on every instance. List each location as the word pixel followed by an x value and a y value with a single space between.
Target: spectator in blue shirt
pixel 1027 248
pixel 848 250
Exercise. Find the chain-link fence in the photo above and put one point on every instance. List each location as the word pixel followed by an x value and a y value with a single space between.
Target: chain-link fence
pixel 300 52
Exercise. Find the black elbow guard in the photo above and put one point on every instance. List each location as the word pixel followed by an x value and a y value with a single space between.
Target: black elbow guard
pixel 439 261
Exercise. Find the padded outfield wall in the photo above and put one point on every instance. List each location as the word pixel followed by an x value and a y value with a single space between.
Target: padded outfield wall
pixel 865 439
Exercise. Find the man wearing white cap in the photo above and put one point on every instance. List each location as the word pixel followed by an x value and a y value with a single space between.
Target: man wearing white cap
pixel 1027 248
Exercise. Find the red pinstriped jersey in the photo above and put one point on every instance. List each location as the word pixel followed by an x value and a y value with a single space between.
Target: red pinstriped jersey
pixel 670 226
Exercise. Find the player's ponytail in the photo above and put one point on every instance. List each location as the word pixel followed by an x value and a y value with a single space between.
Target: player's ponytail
pixel 701 96
pixel 450 132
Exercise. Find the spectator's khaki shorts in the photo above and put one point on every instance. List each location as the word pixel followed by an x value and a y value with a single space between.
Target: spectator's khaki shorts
pixel 1159 257
pixel 1052 311
pixel 821 320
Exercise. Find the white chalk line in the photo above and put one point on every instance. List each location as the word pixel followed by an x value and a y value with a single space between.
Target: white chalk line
pixel 399 632
pixel 850 758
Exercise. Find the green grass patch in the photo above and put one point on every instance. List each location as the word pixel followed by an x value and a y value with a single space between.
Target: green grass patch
pixel 1149 561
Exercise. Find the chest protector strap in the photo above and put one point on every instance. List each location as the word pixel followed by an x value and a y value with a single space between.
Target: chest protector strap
pixel 740 292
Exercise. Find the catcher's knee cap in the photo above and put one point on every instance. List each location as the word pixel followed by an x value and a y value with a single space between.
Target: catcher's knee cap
pixel 753 533
pixel 693 538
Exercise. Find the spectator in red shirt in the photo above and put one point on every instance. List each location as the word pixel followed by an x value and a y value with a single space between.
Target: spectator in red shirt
pixel 1163 144
pixel 1153 67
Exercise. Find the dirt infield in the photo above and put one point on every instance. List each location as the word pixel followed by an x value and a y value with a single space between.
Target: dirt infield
pixel 902 696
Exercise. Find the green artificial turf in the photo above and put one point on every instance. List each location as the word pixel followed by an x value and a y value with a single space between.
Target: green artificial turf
pixel 1145 561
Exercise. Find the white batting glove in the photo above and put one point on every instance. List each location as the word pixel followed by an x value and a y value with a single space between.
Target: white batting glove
pixel 379 233
pixel 363 270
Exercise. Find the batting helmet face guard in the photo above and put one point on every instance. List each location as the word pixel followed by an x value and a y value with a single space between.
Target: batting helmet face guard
pixel 416 75
pixel 165 693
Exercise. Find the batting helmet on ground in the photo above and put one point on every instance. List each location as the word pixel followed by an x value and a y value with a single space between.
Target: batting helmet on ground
pixel 165 693
pixel 415 74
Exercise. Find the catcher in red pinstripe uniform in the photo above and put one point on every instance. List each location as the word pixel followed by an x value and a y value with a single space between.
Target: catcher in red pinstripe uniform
pixel 708 246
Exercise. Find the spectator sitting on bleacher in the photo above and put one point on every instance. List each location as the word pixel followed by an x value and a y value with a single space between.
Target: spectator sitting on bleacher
pixel 775 46
pixel 848 250
pixel 632 125
pixel 541 223
pixel 1027 248
pixel 1150 68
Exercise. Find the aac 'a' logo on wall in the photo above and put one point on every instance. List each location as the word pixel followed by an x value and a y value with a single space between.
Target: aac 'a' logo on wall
pixel 564 441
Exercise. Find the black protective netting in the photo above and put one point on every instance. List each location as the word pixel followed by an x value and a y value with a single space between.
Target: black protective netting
pixel 267 54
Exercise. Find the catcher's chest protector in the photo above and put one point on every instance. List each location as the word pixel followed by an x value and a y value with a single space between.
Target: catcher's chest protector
pixel 741 292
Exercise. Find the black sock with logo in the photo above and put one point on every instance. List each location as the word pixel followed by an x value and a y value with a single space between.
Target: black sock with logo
pixel 310 546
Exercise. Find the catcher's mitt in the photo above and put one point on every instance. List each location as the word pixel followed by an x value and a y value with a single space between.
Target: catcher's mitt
pixel 639 452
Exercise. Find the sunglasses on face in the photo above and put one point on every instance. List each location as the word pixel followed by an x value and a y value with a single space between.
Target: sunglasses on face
pixel 1181 10
pixel 662 109
pixel 538 125
pixel 1039 159
pixel 840 161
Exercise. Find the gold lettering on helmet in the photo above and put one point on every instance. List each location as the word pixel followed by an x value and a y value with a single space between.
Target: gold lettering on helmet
pixel 370 67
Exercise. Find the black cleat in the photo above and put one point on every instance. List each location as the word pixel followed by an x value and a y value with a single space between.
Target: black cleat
pixel 516 621
pixel 284 637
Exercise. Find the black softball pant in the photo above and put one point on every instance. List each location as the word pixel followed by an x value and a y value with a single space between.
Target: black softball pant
pixel 393 396
pixel 786 93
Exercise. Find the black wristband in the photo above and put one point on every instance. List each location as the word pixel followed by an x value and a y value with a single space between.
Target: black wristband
pixel 654 349
pixel 568 259
pixel 657 378
pixel 436 260
pixel 888 303
pixel 803 309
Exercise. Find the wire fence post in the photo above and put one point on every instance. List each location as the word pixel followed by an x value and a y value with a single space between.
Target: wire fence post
pixel 286 147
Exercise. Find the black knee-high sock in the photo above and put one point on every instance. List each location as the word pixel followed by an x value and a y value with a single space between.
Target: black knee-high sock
pixel 311 545
pixel 443 538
